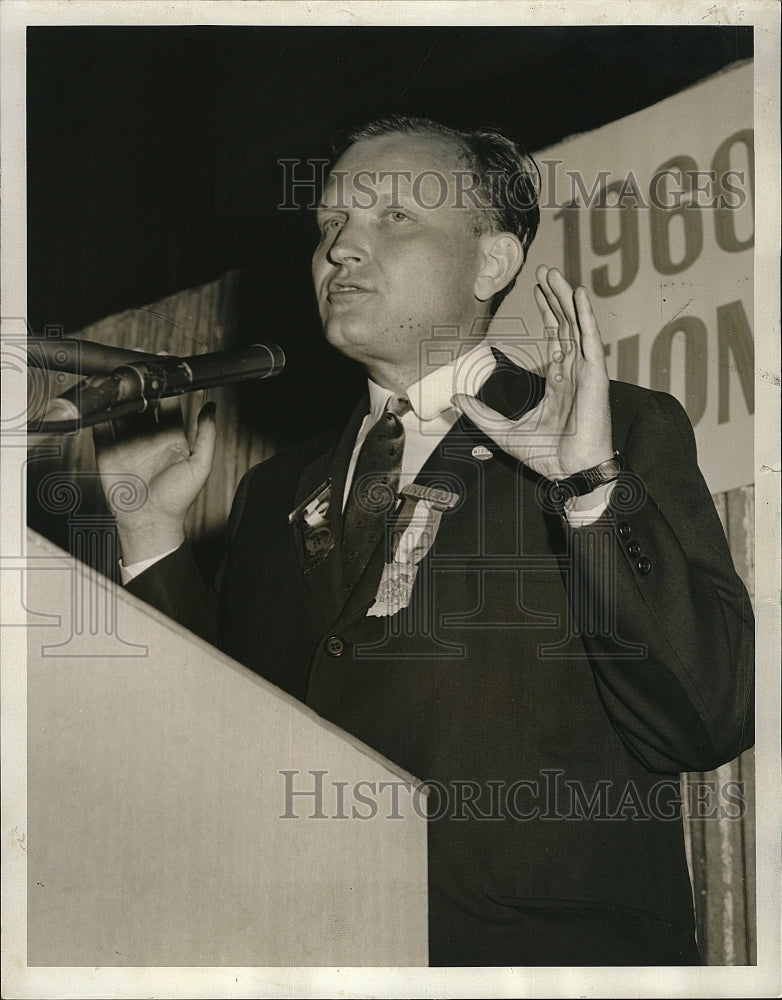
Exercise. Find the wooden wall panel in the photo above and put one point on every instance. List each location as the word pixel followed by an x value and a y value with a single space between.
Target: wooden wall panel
pixel 722 848
pixel 194 321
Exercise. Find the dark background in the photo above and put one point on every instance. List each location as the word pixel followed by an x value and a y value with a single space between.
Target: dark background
pixel 152 152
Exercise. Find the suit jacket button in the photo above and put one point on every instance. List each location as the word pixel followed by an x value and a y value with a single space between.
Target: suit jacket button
pixel 625 530
pixel 634 549
pixel 644 566
pixel 334 645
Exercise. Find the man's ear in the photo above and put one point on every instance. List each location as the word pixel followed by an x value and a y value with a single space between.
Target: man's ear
pixel 502 260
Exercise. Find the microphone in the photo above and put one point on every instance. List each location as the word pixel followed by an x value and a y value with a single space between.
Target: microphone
pixel 140 384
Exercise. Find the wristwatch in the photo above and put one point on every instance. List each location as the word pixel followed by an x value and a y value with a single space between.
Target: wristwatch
pixel 584 482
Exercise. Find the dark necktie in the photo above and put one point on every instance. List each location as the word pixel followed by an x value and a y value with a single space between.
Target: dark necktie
pixel 373 492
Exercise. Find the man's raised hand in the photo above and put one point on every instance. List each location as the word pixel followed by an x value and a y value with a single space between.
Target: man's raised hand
pixel 154 449
pixel 570 429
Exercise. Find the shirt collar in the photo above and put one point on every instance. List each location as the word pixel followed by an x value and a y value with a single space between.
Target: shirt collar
pixel 431 395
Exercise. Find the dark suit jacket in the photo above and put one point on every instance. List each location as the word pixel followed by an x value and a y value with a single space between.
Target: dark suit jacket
pixel 550 682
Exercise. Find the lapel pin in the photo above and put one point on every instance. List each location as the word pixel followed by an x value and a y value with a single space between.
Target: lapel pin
pixel 311 517
pixel 481 452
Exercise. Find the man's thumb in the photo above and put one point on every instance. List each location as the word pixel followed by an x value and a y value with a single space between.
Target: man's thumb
pixel 483 416
pixel 206 435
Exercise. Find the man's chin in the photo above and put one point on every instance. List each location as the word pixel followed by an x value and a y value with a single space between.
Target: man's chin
pixel 349 339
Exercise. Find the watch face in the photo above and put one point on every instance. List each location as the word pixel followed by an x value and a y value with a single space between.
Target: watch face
pixel 602 473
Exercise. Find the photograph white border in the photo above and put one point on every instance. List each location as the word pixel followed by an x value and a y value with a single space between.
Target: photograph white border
pixel 761 980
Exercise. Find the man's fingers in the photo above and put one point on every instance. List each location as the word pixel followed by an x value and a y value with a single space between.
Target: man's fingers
pixel 168 415
pixel 204 445
pixel 554 323
pixel 554 352
pixel 550 321
pixel 563 291
pixel 591 341
pixel 560 351
pixel 558 296
pixel 577 307
pixel 544 276
pixel 163 416
pixel 129 427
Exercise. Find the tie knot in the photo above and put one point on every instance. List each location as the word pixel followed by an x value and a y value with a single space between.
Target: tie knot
pixel 398 405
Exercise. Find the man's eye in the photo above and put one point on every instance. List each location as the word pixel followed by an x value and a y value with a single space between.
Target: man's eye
pixel 398 216
pixel 331 225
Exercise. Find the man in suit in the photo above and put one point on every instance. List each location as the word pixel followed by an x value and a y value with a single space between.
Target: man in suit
pixel 540 618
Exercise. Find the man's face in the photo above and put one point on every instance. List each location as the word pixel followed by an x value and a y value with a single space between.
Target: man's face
pixel 389 268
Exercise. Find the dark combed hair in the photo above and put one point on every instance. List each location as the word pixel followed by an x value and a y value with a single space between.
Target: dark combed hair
pixel 506 179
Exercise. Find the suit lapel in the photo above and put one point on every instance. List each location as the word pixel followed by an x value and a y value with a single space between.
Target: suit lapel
pixel 325 580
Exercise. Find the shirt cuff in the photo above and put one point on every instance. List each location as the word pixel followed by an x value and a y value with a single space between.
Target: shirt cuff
pixel 588 515
pixel 128 573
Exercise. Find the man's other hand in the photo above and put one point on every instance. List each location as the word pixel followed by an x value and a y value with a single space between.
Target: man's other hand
pixel 154 448
pixel 570 429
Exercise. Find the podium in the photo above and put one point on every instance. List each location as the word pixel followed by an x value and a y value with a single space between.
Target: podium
pixel 182 811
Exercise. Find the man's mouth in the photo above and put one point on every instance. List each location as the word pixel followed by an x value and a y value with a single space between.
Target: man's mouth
pixel 338 289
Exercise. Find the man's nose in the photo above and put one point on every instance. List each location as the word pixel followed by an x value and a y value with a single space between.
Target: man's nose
pixel 348 246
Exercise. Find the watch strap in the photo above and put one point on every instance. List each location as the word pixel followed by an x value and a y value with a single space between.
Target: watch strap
pixel 581 483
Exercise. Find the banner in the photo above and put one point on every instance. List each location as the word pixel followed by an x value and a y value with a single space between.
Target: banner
pixel 654 215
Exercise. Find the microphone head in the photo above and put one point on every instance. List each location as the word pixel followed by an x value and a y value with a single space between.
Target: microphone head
pixel 276 357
